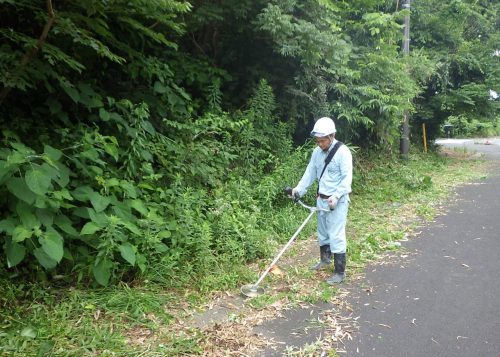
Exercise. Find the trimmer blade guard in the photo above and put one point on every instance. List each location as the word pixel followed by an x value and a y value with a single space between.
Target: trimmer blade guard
pixel 251 290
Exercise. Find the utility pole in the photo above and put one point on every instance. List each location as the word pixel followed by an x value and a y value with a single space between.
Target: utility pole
pixel 404 145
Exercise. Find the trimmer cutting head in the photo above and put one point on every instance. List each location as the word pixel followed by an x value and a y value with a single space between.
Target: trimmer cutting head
pixel 252 290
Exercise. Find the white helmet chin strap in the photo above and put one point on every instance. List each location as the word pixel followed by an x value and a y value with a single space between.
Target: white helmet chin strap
pixel 331 136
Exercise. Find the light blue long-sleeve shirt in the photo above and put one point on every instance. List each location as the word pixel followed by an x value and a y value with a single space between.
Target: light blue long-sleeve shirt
pixel 337 178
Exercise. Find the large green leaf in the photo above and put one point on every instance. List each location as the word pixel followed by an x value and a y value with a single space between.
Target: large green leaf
pixel 62 195
pixel 92 154
pixel 128 253
pixel 112 182
pixel 159 88
pixel 8 225
pixel 139 206
pixel 90 228
pixel 65 224
pixel 148 127
pixel 5 170
pixel 15 253
pixel 164 234
pixel 111 146
pixel 82 193
pixel 21 233
pixel 129 188
pixel 19 189
pixel 53 244
pixel 123 211
pixel 99 202
pixel 67 255
pixel 161 248
pixel 45 216
pixel 50 170
pixel 141 262
pixel 23 149
pixel 16 159
pixel 132 227
pixel 27 215
pixel 64 172
pixel 82 212
pixel 102 272
pixel 54 154
pixel 99 218
pixel 70 90
pixel 44 260
pixel 38 181
pixel 53 204
pixel 103 114
pixel 41 202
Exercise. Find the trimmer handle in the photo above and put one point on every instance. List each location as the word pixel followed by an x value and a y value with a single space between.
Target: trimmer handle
pixel 288 191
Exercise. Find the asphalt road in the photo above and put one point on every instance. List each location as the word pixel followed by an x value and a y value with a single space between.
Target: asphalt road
pixel 490 147
pixel 442 297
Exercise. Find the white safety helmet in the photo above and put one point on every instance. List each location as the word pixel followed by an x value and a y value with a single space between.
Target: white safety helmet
pixel 323 127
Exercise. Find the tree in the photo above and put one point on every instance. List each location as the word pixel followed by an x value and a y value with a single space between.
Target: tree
pixel 460 37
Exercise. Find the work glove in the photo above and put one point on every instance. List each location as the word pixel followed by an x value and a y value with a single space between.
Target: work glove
pixel 292 193
pixel 332 202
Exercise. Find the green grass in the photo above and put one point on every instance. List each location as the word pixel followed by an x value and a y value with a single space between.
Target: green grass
pixel 78 322
pixel 390 200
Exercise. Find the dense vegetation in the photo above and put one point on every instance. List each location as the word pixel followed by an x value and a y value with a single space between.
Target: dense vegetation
pixel 154 137
pixel 146 318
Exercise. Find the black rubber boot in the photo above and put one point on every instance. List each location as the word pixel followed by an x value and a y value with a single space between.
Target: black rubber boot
pixel 339 261
pixel 325 255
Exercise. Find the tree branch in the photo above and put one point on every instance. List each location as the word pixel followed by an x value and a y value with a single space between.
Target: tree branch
pixel 32 52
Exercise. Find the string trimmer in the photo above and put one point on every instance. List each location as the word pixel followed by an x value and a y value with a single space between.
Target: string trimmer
pixel 253 290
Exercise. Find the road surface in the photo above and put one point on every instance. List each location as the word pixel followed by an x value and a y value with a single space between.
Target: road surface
pixel 444 298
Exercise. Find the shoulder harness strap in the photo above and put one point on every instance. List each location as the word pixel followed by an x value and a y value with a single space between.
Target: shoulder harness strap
pixel 329 158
